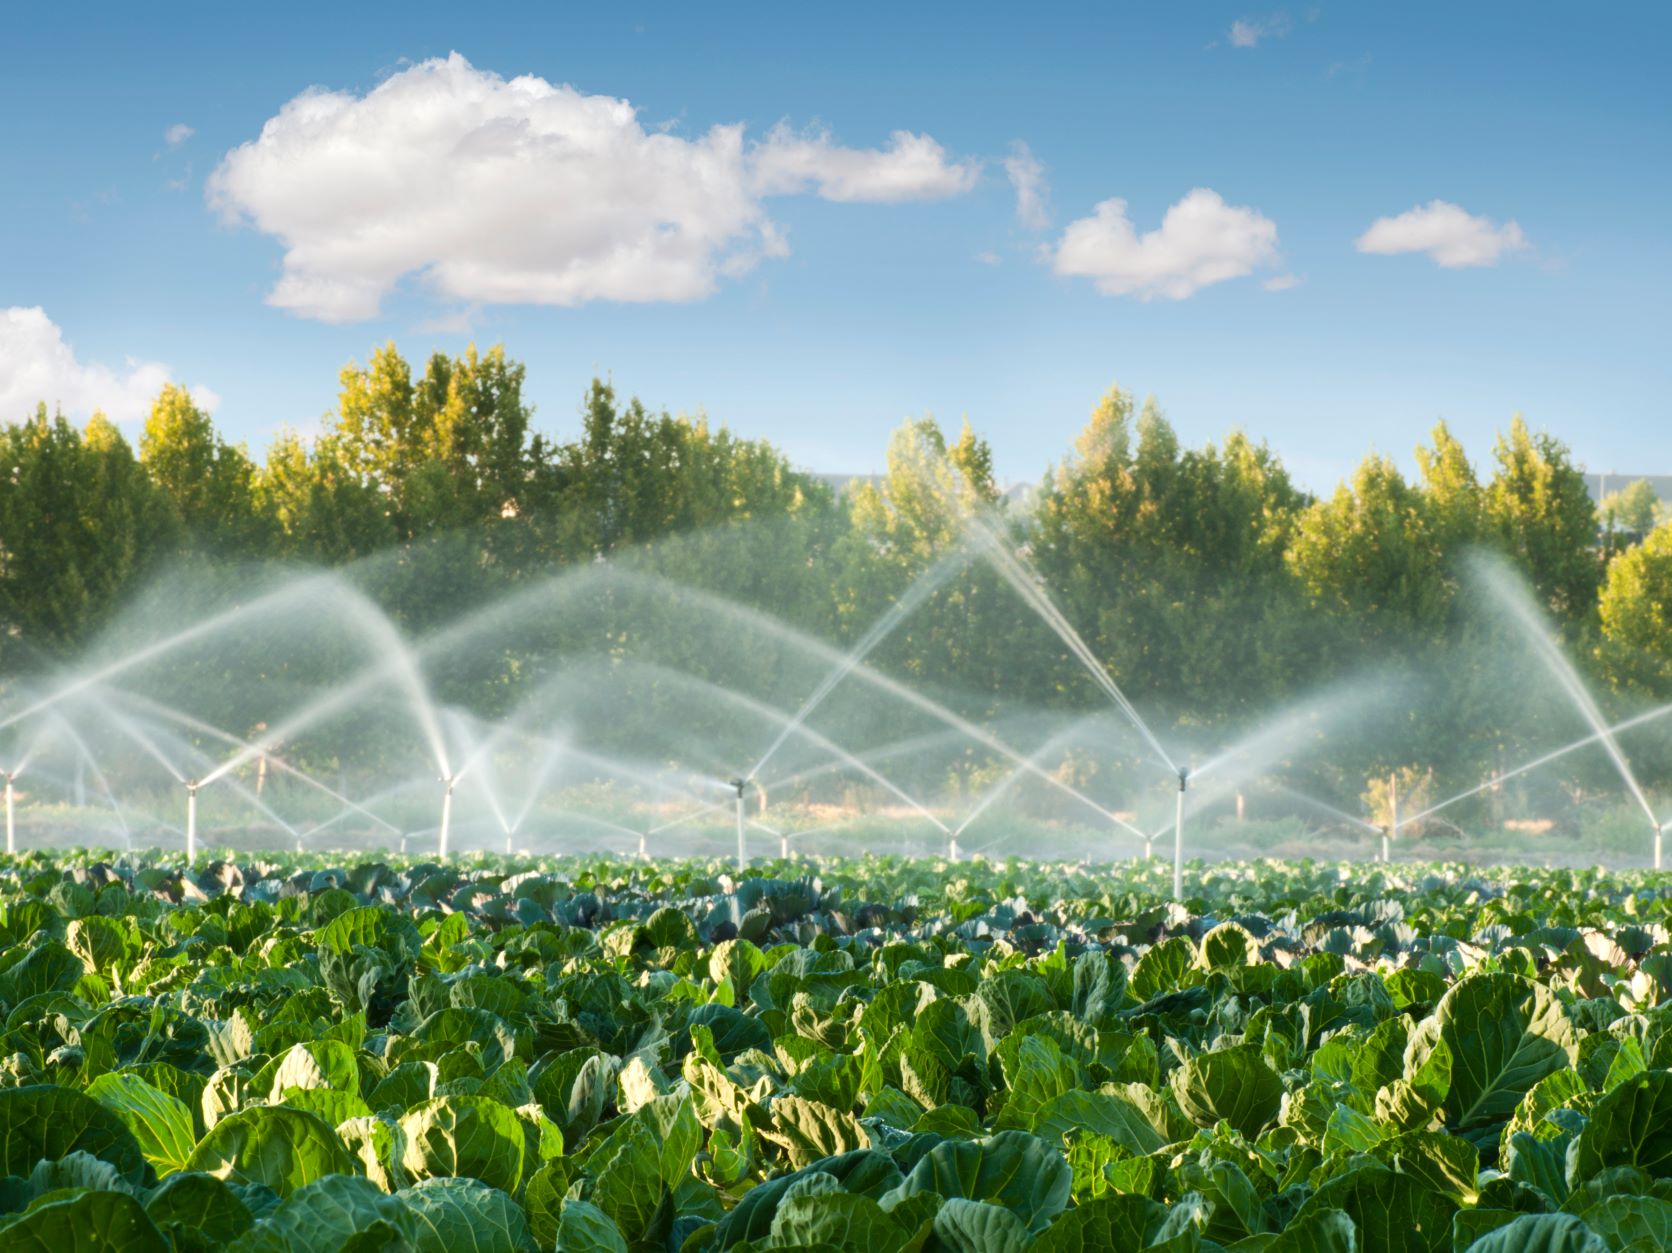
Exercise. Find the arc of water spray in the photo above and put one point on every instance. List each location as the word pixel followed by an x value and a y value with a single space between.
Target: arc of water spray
pixel 159 647
pixel 277 762
pixel 1550 652
pixel 98 773
pixel 732 609
pixel 193 786
pixel 1032 763
pixel 924 586
pixel 1594 738
pixel 767 712
pixel 1029 586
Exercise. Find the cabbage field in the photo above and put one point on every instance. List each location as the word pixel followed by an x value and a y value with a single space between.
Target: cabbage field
pixel 870 1054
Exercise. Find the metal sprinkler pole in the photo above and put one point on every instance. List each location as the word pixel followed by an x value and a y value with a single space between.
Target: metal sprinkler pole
pixel 1660 831
pixel 643 855
pixel 1393 818
pixel 11 820
pixel 741 785
pixel 952 847
pixel 191 821
pixel 1178 837
pixel 446 819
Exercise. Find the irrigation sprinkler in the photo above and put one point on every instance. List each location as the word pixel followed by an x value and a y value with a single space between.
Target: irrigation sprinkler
pixel 191 820
pixel 644 854
pixel 11 818
pixel 1660 832
pixel 952 847
pixel 1178 836
pixel 1389 831
pixel 446 816
pixel 741 786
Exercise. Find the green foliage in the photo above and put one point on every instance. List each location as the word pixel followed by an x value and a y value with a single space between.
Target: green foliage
pixel 1035 1086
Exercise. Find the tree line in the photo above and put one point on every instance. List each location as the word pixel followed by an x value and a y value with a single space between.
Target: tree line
pixel 1213 587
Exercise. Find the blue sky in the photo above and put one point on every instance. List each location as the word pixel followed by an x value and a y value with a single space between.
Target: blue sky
pixel 830 283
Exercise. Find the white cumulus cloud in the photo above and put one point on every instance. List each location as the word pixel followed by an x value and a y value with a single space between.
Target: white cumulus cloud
pixel 1450 235
pixel 177 134
pixel 1201 240
pixel 498 191
pixel 1027 178
pixel 37 365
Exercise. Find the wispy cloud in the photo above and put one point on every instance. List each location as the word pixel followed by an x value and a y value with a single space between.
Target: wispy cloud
pixel 989 257
pixel 1248 32
pixel 1282 282
pixel 1451 236
pixel 1027 177
pixel 177 134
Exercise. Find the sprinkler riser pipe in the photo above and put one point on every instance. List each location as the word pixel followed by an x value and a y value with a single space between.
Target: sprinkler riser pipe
pixel 191 823
pixel 1393 815
pixel 444 838
pixel 742 845
pixel 1178 845
pixel 11 818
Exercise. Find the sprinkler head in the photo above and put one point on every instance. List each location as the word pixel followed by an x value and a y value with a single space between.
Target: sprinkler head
pixel 1184 777
pixel 449 780
pixel 191 787
pixel 739 785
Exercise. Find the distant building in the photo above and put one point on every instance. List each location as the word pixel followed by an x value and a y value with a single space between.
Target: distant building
pixel 1604 483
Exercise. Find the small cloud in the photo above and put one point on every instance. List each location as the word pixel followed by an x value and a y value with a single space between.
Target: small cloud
pixel 1282 282
pixel 1452 237
pixel 1247 32
pixel 1201 241
pixel 458 322
pixel 1354 68
pixel 988 258
pixel 1027 176
pixel 177 134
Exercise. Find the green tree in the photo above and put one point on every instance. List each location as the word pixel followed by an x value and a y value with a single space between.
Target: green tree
pixel 211 482
pixel 1452 496
pixel 452 449
pixel 325 512
pixel 1169 561
pixel 79 523
pixel 1632 509
pixel 1369 550
pixel 1636 611
pixel 1539 512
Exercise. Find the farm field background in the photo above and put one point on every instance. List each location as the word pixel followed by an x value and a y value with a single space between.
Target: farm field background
pixel 876 1054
